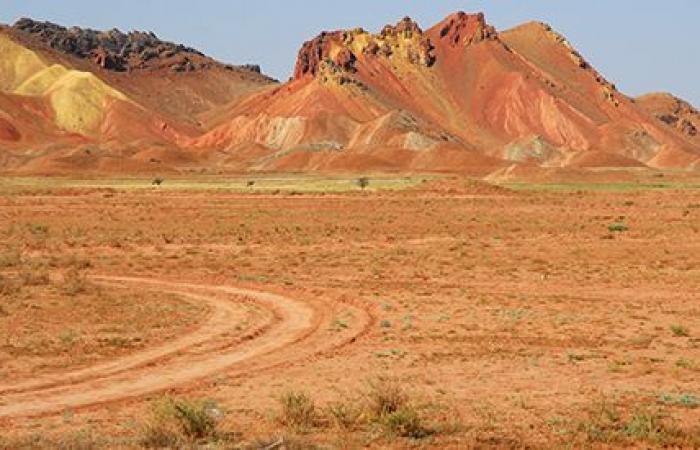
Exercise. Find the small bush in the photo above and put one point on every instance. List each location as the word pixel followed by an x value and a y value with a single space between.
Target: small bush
pixel 298 410
pixel 363 182
pixel 645 426
pixel 158 181
pixel 345 416
pixel 618 227
pixel 174 422
pixel 405 422
pixel 679 331
pixel 39 229
pixel 385 397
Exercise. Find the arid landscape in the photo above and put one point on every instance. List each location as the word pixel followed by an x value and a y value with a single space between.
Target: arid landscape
pixel 508 317
pixel 444 238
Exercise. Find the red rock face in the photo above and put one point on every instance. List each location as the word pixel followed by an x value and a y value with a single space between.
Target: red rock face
pixel 462 29
pixel 8 132
pixel 313 52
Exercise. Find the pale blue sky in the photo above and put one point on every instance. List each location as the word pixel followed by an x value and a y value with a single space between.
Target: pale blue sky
pixel 642 45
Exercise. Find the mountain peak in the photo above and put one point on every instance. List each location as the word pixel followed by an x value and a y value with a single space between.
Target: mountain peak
pixel 341 50
pixel 462 29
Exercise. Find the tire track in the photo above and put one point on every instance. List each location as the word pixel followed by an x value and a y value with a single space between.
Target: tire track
pixel 169 366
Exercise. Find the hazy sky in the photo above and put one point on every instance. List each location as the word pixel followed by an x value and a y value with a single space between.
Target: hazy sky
pixel 641 45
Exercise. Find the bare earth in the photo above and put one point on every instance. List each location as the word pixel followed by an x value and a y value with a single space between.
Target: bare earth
pixel 509 316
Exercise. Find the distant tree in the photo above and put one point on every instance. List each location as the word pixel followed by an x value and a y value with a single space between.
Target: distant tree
pixel 363 182
pixel 158 181
pixel 250 184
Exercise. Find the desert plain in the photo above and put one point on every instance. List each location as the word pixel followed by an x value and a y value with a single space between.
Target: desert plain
pixel 309 312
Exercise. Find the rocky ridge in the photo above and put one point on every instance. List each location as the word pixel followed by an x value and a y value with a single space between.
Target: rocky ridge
pixel 117 51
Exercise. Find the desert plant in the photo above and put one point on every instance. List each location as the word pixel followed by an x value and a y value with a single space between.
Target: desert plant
pixel 405 422
pixel 158 181
pixel 617 227
pixel 343 415
pixel 38 229
pixel 363 182
pixel 606 425
pixel 679 331
pixel 645 426
pixel 384 396
pixel 175 421
pixel 298 410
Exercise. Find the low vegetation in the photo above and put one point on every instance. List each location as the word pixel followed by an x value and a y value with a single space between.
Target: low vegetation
pixel 383 406
pixel 178 423
pixel 606 424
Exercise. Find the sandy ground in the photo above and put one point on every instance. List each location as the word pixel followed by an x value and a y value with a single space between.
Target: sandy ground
pixel 510 317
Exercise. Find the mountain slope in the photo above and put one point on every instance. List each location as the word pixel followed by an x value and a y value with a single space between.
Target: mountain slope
pixel 67 81
pixel 525 95
pixel 456 97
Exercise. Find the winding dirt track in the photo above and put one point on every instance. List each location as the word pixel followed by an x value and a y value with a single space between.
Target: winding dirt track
pixel 189 358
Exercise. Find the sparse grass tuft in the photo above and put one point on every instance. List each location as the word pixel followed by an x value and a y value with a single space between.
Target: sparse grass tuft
pixel 74 282
pixel 389 406
pixel 175 422
pixel 298 410
pixel 405 422
pixel 618 227
pixel 385 396
pixel 606 425
pixel 679 331
pixel 346 416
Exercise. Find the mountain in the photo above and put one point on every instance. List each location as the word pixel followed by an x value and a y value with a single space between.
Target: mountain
pixel 457 97
pixel 74 100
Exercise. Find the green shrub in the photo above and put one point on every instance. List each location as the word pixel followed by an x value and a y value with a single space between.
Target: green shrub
pixel 617 227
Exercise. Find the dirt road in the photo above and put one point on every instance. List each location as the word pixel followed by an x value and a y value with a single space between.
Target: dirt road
pixel 212 348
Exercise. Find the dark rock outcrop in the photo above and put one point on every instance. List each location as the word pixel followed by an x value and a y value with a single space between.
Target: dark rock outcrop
pixel 462 29
pixel 121 52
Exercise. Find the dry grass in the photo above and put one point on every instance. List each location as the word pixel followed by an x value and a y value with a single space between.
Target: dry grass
pixel 177 423
pixel 493 302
